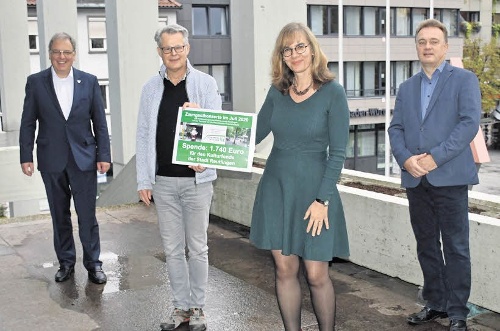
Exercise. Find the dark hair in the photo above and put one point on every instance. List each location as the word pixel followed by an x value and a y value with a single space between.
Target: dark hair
pixel 432 23
pixel 62 35
pixel 282 76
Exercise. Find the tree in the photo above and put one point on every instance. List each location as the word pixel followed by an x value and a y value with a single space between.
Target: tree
pixel 2 210
pixel 484 61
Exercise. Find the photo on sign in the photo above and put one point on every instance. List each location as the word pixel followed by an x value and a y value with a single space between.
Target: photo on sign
pixel 191 132
pixel 215 134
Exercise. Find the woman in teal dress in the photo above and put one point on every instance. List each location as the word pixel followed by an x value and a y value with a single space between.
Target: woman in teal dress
pixel 298 214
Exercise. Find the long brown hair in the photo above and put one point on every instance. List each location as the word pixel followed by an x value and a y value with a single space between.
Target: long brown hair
pixel 282 76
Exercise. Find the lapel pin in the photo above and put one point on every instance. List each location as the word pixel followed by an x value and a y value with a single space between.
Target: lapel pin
pixel 78 81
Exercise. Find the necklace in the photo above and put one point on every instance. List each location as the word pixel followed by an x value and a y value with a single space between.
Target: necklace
pixel 304 91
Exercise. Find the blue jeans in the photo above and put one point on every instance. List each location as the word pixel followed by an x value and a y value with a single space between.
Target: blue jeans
pixel 440 214
pixel 183 210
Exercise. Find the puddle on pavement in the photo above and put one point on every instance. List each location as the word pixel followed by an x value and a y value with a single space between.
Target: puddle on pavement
pixel 123 272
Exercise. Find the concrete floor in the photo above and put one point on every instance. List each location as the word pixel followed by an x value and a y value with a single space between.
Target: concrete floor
pixel 137 296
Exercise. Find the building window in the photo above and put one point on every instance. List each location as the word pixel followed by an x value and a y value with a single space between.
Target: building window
pixel 352 21
pixel 380 136
pixel 367 79
pixel 449 17
pixel 33 34
pixel 366 142
pixel 334 68
pixel 366 21
pixel 418 15
pixel 371 22
pixel 352 79
pixel 162 21
pixel 373 82
pixel 415 67
pixel 104 86
pixel 97 34
pixel 401 22
pixel 323 20
pixel 496 18
pixel 362 141
pixel 404 21
pixel 222 76
pixel 364 79
pixel 210 21
pixel 400 72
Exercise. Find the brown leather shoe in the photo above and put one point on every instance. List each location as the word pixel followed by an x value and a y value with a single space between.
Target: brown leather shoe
pixel 97 276
pixel 64 273
pixel 426 315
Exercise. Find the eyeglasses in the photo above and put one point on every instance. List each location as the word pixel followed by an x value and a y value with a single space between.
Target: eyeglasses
pixel 423 42
pixel 58 52
pixel 177 49
pixel 299 49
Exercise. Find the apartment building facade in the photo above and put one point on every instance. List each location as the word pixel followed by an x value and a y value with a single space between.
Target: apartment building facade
pixel 227 34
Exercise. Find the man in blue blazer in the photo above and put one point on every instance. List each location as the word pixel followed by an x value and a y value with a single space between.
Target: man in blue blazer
pixel 436 116
pixel 72 143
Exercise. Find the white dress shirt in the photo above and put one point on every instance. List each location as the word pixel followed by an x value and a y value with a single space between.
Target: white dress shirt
pixel 64 90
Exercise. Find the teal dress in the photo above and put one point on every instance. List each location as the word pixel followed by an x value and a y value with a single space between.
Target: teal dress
pixel 305 163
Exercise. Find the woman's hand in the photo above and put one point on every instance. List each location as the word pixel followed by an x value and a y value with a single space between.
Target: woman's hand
pixel 317 214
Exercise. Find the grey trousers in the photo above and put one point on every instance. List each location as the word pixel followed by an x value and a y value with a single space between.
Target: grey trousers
pixel 183 211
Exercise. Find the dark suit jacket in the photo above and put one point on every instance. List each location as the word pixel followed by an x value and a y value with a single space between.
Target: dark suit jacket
pixel 85 132
pixel 449 125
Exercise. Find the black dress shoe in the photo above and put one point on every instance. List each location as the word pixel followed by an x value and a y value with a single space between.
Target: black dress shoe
pixel 64 273
pixel 458 325
pixel 426 315
pixel 97 276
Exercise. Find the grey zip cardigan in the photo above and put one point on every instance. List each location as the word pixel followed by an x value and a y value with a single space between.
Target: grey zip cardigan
pixel 201 89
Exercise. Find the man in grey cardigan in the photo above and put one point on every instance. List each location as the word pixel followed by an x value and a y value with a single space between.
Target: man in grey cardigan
pixel 182 194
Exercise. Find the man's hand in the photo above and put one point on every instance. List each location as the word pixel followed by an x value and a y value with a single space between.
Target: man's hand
pixel 145 196
pixel 427 163
pixel 413 167
pixel 190 105
pixel 28 168
pixel 197 168
pixel 103 167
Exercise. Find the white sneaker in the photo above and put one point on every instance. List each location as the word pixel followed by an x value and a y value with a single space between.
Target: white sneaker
pixel 177 317
pixel 197 321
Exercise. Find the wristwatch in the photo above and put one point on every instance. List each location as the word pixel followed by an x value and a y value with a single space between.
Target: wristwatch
pixel 324 203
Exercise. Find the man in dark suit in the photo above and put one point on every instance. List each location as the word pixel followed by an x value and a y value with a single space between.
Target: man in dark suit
pixel 72 143
pixel 436 116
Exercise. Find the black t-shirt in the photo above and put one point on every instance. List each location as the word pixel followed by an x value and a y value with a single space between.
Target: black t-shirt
pixel 173 97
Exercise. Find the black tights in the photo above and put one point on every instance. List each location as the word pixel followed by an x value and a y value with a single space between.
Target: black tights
pixel 289 294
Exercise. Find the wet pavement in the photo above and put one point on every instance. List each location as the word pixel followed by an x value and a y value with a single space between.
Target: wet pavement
pixel 137 296
pixel 489 175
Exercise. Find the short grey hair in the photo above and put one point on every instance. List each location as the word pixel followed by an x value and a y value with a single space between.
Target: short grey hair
pixel 171 29
pixel 62 36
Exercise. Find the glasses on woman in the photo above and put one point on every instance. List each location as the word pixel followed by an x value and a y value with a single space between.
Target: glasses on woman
pixel 299 49
pixel 177 49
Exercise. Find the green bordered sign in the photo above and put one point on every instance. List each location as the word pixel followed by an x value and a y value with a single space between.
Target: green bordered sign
pixel 215 139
